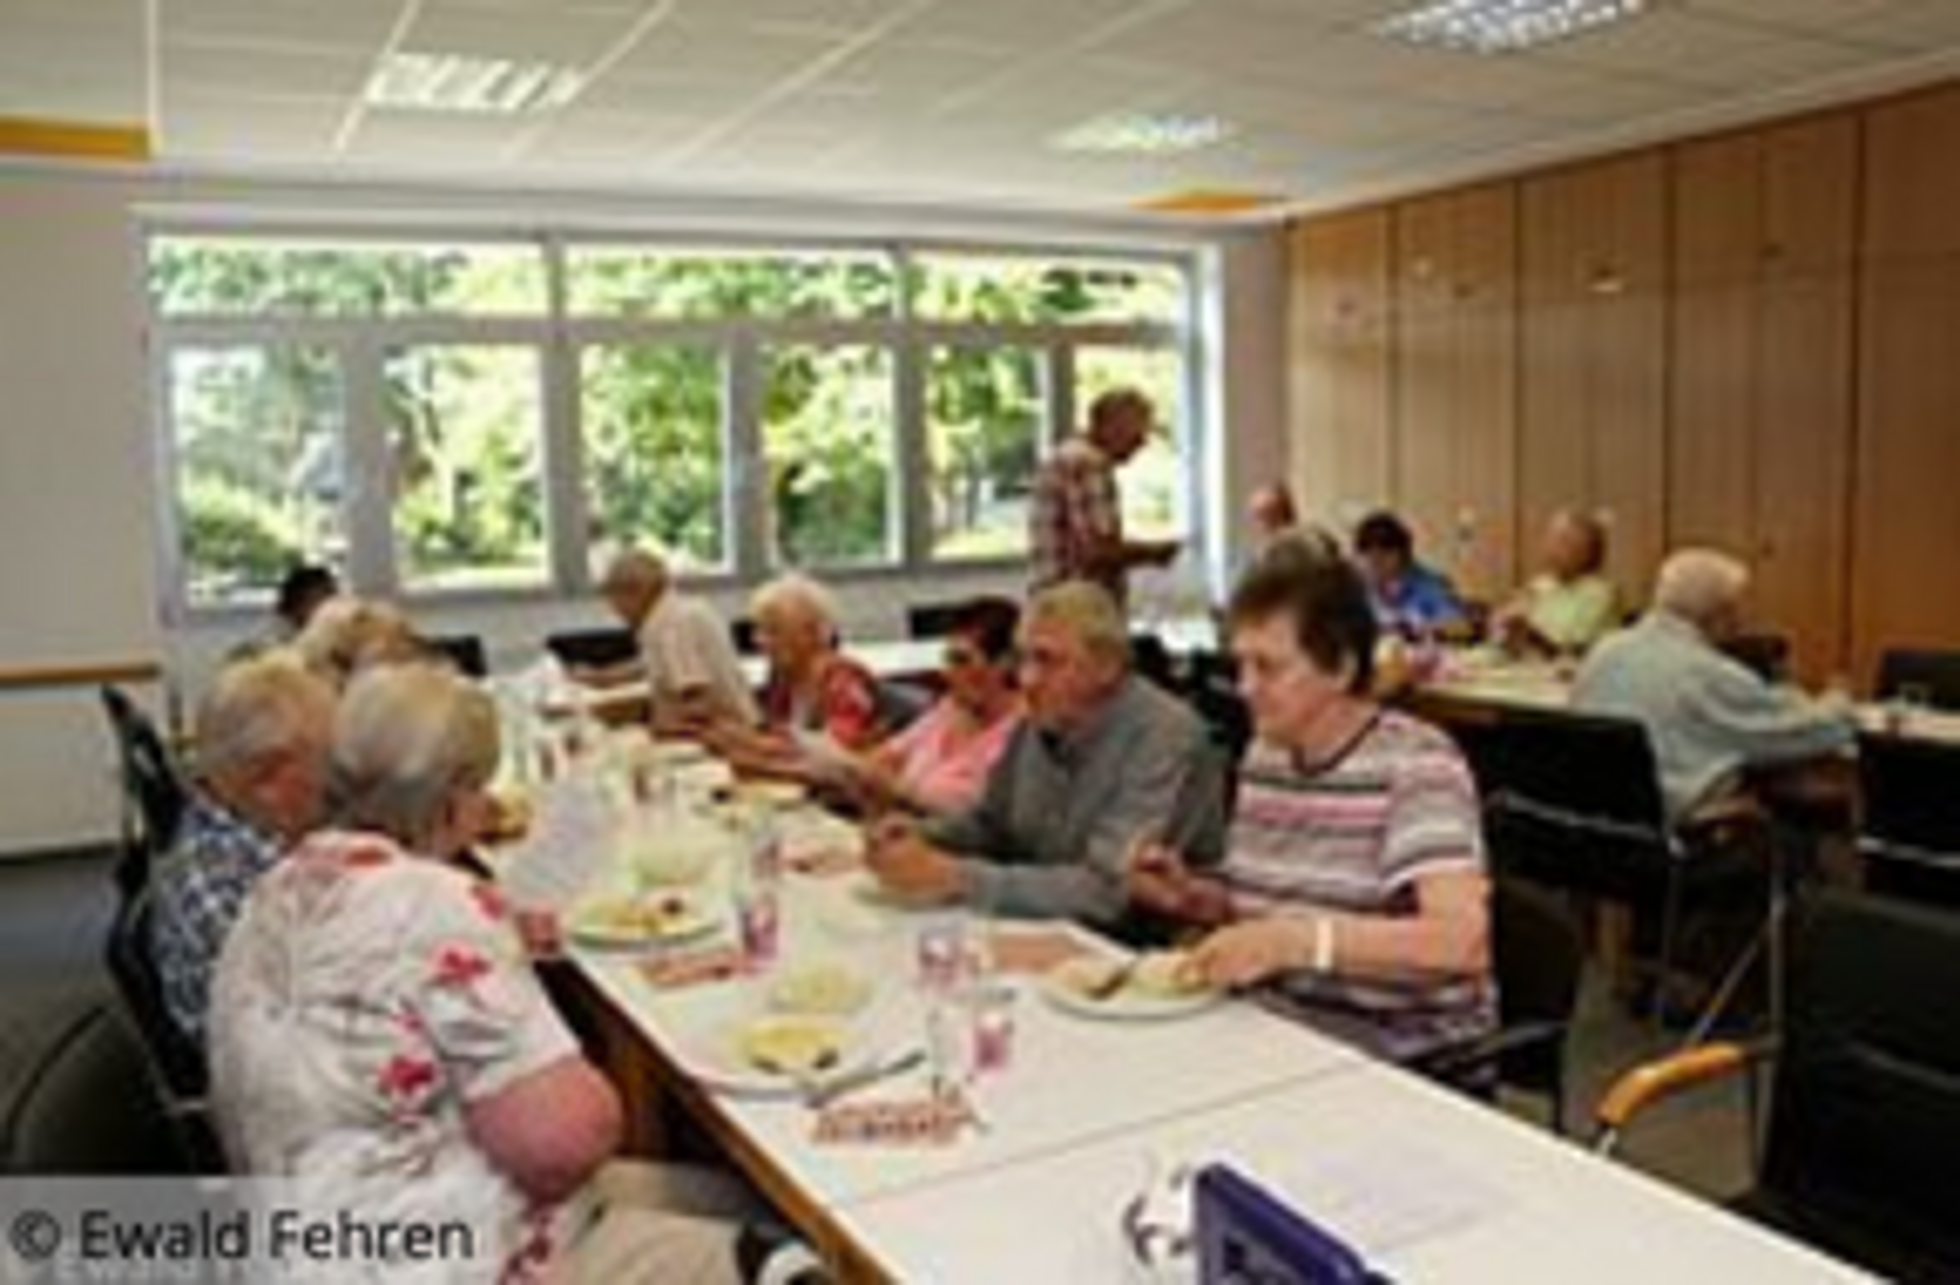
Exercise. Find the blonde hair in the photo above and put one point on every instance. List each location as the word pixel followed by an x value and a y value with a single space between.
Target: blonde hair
pixel 348 635
pixel 407 738
pixel 1089 613
pixel 1698 585
pixel 257 707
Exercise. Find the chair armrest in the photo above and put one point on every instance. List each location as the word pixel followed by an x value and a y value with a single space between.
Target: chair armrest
pixel 1650 1082
pixel 1720 821
pixel 1487 1049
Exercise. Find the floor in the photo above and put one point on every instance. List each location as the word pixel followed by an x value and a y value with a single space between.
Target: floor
pixel 54 914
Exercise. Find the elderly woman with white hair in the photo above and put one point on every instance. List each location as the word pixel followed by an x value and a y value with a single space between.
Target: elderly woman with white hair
pixel 377 1029
pixel 817 703
pixel 261 762
pixel 1711 719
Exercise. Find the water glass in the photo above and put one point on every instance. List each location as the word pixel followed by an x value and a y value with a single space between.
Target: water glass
pixel 941 952
pixel 990 1026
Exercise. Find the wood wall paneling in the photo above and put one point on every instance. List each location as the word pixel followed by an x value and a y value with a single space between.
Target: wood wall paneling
pixel 1907 516
pixel 1455 432
pixel 1340 374
pixel 1751 340
pixel 1593 358
pixel 1760 367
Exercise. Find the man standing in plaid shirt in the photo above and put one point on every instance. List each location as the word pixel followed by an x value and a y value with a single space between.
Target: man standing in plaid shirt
pixel 1076 523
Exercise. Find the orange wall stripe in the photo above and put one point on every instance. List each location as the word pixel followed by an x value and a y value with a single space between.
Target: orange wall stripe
pixel 28 136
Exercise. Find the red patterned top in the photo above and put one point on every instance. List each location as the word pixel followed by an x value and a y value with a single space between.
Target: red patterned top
pixel 844 707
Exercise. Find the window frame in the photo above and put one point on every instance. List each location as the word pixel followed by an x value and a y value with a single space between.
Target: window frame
pixel 361 344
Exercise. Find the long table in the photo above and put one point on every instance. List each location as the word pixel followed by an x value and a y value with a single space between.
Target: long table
pixel 1034 1194
pixel 1473 687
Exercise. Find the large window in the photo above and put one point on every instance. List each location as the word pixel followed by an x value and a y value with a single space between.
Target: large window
pixel 477 415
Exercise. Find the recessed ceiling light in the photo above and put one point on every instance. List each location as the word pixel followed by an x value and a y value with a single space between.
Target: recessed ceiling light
pixel 453 83
pixel 1504 26
pixel 1143 134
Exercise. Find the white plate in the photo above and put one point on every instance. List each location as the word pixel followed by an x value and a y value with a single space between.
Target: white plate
pixel 718 1060
pixel 692 923
pixel 1127 1004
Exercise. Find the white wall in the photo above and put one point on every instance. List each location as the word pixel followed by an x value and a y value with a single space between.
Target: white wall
pixel 78 525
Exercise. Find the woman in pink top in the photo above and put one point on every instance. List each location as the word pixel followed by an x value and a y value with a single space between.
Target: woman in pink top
pixel 941 762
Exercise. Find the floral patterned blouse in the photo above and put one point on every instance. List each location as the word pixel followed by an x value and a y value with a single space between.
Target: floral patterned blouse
pixel 364 999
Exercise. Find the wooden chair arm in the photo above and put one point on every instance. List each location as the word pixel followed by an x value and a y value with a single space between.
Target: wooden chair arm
pixel 1636 1090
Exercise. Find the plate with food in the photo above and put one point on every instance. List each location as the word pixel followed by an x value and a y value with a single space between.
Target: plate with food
pixel 1129 988
pixel 623 922
pixel 781 1054
pixel 823 989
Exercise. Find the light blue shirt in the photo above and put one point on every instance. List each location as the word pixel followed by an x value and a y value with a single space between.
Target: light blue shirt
pixel 1708 716
pixel 1421 600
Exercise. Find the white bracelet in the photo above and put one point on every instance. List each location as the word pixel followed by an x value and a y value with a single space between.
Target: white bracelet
pixel 1323 944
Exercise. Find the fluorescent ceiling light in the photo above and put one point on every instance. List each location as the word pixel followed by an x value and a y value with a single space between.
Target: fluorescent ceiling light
pixel 453 83
pixel 1143 134
pixel 1504 26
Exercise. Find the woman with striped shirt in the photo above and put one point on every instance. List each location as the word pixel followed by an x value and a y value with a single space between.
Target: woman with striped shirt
pixel 1353 890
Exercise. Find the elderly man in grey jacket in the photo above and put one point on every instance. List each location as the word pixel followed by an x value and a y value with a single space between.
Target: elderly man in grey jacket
pixel 1103 760
pixel 1709 717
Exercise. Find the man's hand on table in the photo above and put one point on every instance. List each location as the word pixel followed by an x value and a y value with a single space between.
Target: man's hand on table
pixel 909 866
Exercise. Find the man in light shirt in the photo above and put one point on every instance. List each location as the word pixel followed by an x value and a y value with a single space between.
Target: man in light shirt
pixel 1710 718
pixel 688 656
pixel 1569 605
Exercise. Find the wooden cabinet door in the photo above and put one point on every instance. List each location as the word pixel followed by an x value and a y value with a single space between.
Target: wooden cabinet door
pixel 1714 343
pixel 1805 359
pixel 1760 359
pixel 1594 392
pixel 1906 527
pixel 1340 365
pixel 1455 448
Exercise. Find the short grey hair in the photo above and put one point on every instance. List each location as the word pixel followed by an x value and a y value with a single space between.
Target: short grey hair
pixel 407 738
pixel 636 569
pixel 1088 612
pixel 796 593
pixel 1697 585
pixel 255 708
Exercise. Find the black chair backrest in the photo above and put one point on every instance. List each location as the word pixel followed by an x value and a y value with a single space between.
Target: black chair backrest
pixel 154 792
pixel 87 1107
pixel 1934 674
pixel 594 648
pixel 1911 824
pixel 1151 658
pixel 1212 688
pixel 1572 800
pixel 464 651
pixel 1865 1121
pixel 1765 655
pixel 1537 954
pixel 178 1060
pixel 935 619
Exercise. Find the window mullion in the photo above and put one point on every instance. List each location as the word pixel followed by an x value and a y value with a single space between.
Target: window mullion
pixel 746 489
pixel 567 522
pixel 368 493
pixel 912 453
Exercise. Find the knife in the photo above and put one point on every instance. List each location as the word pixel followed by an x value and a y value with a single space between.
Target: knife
pixel 828 1093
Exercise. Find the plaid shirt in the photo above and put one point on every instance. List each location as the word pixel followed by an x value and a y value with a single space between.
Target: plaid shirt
pixel 1076 507
pixel 199 890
